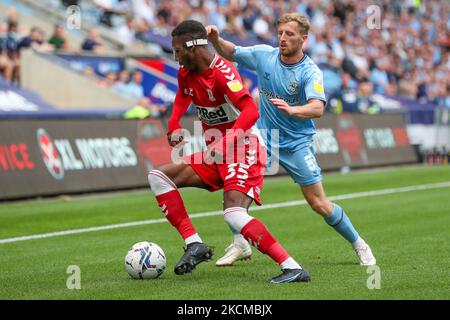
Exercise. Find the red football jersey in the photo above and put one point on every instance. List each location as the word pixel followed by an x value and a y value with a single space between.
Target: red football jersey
pixel 223 103
pixel 215 93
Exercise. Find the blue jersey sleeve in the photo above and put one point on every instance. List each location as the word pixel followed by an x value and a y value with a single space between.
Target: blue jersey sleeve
pixel 250 56
pixel 314 86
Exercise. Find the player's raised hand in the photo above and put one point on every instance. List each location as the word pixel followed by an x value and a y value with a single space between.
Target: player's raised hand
pixel 212 33
pixel 282 105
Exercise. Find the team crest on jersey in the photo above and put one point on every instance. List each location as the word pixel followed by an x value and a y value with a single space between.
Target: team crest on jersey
pixel 210 95
pixel 293 87
pixel 189 92
pixel 235 85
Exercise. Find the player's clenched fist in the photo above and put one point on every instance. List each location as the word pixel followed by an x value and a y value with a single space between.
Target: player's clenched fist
pixel 212 32
pixel 174 138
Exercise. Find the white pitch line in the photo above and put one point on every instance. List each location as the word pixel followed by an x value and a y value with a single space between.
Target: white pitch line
pixel 219 212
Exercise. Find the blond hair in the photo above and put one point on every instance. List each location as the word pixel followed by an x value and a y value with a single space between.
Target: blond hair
pixel 301 20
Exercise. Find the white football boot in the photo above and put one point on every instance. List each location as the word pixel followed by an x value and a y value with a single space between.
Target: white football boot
pixel 364 253
pixel 234 253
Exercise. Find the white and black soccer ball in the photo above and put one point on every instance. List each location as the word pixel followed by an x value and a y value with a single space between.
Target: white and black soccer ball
pixel 145 260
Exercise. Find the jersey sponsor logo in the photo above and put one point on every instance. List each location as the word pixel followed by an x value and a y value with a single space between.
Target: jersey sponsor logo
pixel 218 115
pixel 318 87
pixel 235 85
pixel 215 116
pixel 269 95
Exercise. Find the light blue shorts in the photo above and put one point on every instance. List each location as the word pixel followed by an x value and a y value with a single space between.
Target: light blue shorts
pixel 301 164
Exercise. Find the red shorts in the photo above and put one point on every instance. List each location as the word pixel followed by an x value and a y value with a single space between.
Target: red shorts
pixel 244 171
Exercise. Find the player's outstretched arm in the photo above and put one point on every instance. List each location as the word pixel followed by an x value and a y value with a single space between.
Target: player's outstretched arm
pixel 313 109
pixel 223 47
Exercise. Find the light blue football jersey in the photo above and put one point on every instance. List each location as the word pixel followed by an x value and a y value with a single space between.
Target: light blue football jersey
pixel 294 83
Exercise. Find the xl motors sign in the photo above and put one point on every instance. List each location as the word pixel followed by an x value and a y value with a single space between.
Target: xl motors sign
pixel 65 156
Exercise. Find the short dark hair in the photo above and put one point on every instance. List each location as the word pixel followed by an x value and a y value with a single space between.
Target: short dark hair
pixel 191 28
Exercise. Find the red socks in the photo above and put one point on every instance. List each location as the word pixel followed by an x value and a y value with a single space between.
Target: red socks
pixel 170 203
pixel 257 234
pixel 173 208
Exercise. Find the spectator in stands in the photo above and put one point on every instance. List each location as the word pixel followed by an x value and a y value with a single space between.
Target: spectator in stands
pixel 59 38
pixel 141 110
pixel 412 41
pixel 35 40
pixel 93 42
pixel 10 16
pixel 320 50
pixel 134 88
pixel 110 9
pixel 140 30
pixel 352 99
pixel 130 89
pixel 109 80
pixel 6 63
pixel 144 10
pixel 218 16
pixel 121 86
pixel 365 101
pixel 125 33
pixel 442 98
pixel 199 12
pixel 89 72
pixel 344 99
pixel 11 61
pixel 379 78
pixel 145 109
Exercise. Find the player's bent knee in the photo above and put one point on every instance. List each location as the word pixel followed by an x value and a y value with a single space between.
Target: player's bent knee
pixel 174 173
pixel 237 217
pixel 320 207
pixel 160 183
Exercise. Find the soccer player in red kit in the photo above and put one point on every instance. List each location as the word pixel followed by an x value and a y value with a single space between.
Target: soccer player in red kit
pixel 233 162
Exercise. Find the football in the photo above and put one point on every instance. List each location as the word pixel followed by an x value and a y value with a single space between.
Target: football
pixel 145 260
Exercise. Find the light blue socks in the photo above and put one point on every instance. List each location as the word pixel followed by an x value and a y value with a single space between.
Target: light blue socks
pixel 341 223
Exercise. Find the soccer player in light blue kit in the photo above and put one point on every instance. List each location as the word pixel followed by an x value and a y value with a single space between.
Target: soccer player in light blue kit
pixel 291 95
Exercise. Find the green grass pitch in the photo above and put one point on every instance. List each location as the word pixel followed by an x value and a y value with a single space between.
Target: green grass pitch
pixel 408 232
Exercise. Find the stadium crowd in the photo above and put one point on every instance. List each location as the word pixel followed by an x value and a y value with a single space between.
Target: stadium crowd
pixel 404 53
pixel 14 38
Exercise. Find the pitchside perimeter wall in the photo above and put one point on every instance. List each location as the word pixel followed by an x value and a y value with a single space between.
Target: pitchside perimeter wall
pixel 63 156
